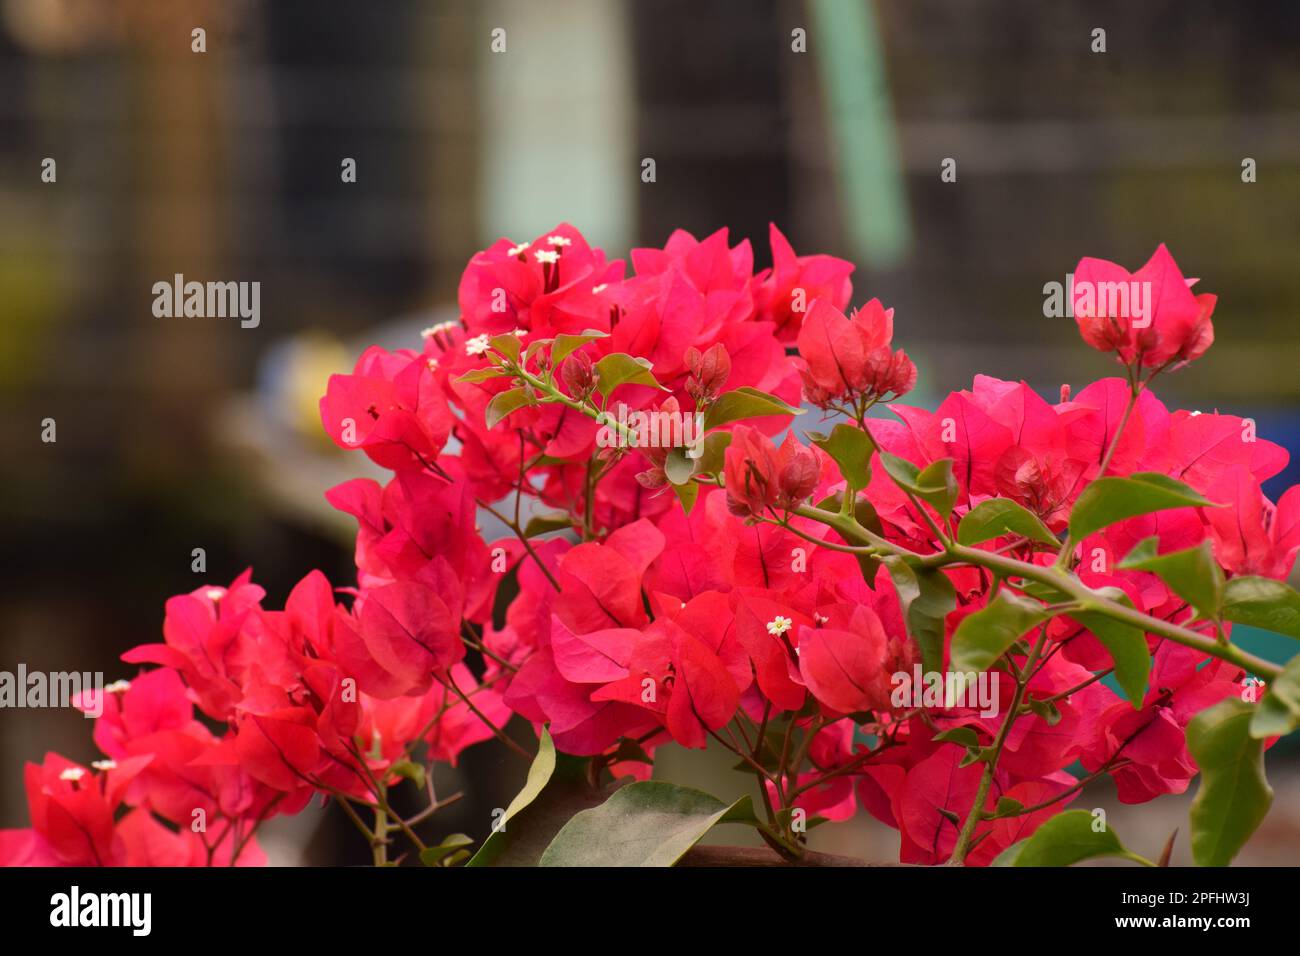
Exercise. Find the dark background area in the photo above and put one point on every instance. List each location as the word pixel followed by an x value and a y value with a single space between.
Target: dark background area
pixel 182 433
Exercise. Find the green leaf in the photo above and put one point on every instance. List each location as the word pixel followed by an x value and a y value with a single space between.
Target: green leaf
pixel 507 344
pixel 1192 573
pixel 939 474
pixel 926 597
pixel 687 494
pixel 556 789
pixel 535 346
pixel 566 344
pixel 984 636
pixel 650 823
pixel 851 448
pixel 448 851
pixel 1065 839
pixel 678 466
pixel 1002 516
pixel 1108 500
pixel 936 484
pixel 1127 645
pixel 1278 713
pixel 503 403
pixel 1263 602
pixel 412 771
pixel 785 818
pixel 744 402
pixel 484 374
pixel 906 475
pixel 546 523
pixel 1007 807
pixel 1128 650
pixel 714 456
pixel 958 735
pixel 622 369
pixel 1045 709
pixel 1234 796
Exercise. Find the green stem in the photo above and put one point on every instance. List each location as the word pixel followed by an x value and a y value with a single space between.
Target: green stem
pixel 850 530
pixel 967 833
pixel 523 539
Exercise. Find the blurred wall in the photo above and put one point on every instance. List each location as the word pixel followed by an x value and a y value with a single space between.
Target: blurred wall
pixel 175 434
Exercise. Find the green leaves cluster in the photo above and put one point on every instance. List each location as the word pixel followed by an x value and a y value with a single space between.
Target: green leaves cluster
pixel 560 819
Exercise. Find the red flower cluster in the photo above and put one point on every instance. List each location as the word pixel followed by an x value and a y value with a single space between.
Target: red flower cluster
pixel 849 360
pixel 626 615
pixel 1149 317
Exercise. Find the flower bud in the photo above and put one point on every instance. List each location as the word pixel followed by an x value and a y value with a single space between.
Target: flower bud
pixel 800 471
pixel 709 372
pixel 751 472
pixel 577 375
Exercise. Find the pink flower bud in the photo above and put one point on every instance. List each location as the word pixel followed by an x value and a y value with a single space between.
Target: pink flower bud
pixel 709 372
pixel 577 375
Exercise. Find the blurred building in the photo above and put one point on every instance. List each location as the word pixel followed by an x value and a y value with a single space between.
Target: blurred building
pixel 226 164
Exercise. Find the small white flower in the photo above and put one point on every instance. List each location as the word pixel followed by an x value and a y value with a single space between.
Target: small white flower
pixel 1193 414
pixel 214 594
pixel 72 773
pixel 779 625
pixel 433 365
pixel 598 289
pixel 820 618
pixel 433 330
pixel 519 333
pixel 516 250
pixel 478 345
pixel 104 764
pixel 559 240
pixel 118 687
pixel 546 256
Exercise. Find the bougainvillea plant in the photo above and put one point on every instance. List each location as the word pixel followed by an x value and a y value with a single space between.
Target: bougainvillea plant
pixel 952 620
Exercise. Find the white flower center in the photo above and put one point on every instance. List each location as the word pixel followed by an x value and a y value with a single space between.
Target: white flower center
pixel 779 625
pixel 478 345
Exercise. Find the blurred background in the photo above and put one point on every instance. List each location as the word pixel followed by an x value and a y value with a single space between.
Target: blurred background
pixel 174 434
